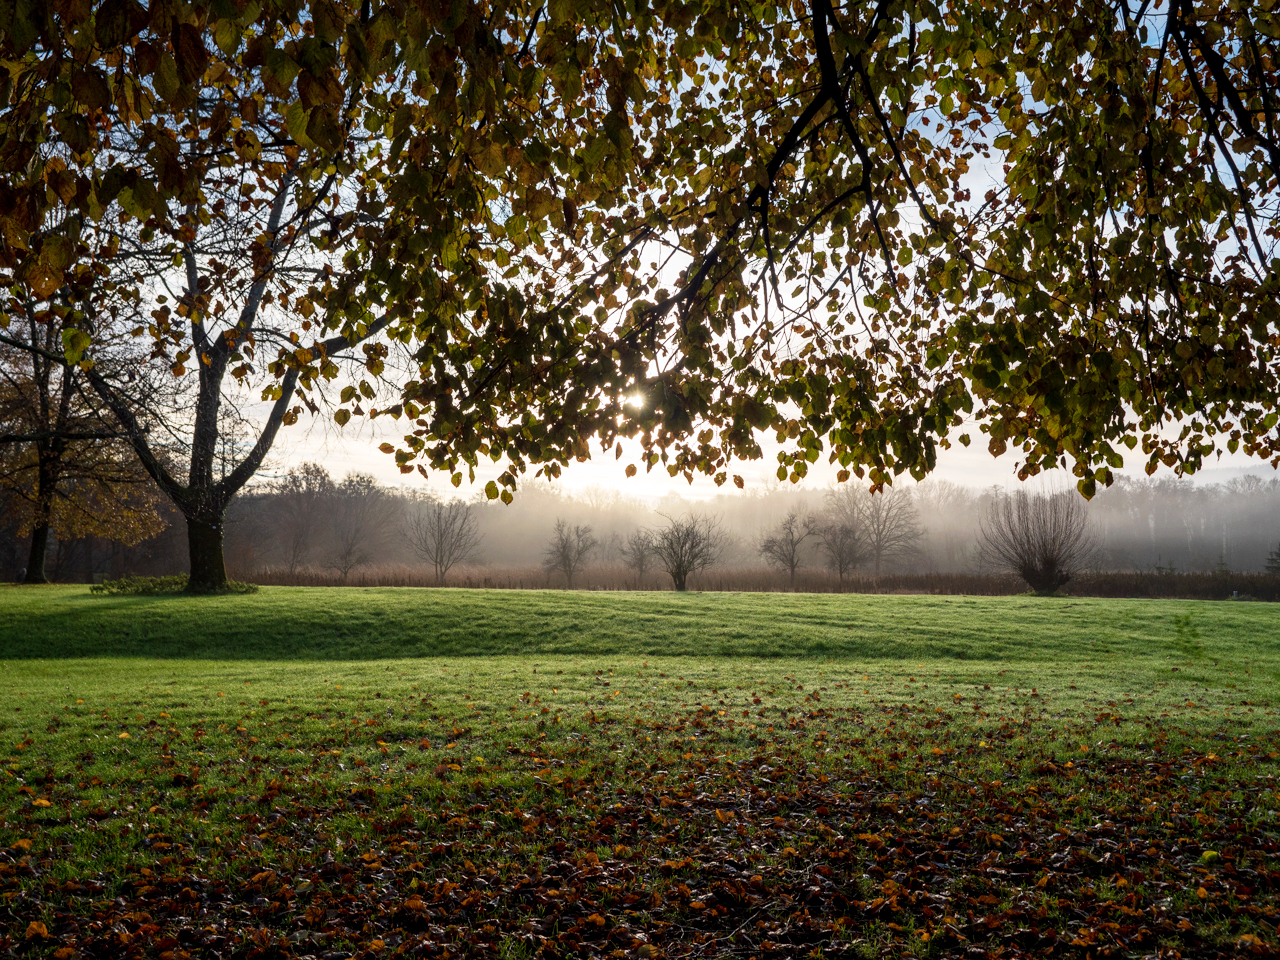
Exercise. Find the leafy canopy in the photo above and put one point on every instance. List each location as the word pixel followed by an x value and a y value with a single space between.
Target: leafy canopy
pixel 861 226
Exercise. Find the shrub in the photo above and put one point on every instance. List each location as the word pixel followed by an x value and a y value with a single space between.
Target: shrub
pixel 157 586
pixel 1043 539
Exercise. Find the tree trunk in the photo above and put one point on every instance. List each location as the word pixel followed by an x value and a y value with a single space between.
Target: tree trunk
pixel 679 582
pixel 204 543
pixel 47 455
pixel 39 552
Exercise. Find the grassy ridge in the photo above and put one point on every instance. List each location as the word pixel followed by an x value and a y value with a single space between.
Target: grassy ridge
pixel 294 623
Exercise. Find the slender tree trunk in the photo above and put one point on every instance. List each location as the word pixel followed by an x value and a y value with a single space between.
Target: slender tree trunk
pixel 46 483
pixel 39 553
pixel 204 542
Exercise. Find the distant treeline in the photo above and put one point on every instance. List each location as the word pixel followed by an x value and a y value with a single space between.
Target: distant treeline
pixel 1163 537
pixel 1168 586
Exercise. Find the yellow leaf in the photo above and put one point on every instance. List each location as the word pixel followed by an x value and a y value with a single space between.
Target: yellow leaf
pixel 124 736
pixel 41 802
pixel 37 930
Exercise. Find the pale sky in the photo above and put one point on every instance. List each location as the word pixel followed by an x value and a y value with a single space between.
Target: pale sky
pixel 356 448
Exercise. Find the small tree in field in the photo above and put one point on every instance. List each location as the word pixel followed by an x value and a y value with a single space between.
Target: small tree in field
pixel 1043 539
pixel 887 522
pixel 359 517
pixel 782 548
pixel 844 547
pixel 637 554
pixel 299 502
pixel 684 547
pixel 568 550
pixel 442 534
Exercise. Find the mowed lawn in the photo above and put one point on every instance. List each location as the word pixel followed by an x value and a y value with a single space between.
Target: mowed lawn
pixel 372 773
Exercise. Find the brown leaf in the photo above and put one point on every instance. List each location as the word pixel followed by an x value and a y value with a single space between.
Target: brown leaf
pixel 189 50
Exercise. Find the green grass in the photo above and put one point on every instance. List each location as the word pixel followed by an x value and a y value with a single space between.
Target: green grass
pixel 283 623
pixel 157 744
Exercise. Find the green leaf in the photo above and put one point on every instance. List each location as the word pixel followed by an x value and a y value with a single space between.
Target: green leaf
pixel 323 128
pixel 166 79
pixel 74 344
pixel 297 118
pixel 226 34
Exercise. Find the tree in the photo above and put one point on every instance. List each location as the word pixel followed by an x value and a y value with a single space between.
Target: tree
pixel 358 521
pixel 1044 539
pixel 836 149
pixel 887 522
pixel 62 457
pixel 687 546
pixel 792 249
pixel 1273 561
pixel 782 547
pixel 844 546
pixel 568 550
pixel 215 211
pixel 638 555
pixel 299 505
pixel 442 534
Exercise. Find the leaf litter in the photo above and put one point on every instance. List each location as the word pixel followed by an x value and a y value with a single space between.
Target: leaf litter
pixel 654 817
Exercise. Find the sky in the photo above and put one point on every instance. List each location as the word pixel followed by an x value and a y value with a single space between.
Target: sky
pixel 355 448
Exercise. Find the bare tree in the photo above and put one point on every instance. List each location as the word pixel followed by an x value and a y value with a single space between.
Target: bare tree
pixel 684 547
pixel 358 518
pixel 888 521
pixel 844 546
pixel 442 534
pixel 1044 539
pixel 637 554
pixel 782 548
pixel 62 457
pixel 299 499
pixel 568 550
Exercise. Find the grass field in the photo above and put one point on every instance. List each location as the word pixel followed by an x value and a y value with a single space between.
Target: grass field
pixel 462 773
